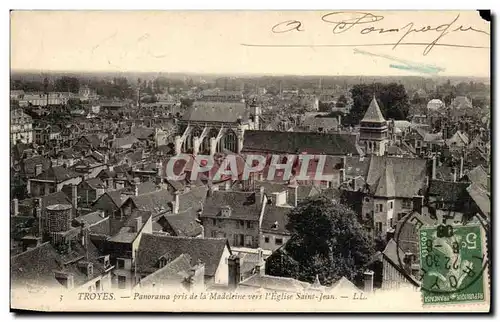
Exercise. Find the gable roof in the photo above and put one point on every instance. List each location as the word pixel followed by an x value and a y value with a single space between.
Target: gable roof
pixel 173 272
pixel 207 250
pixel 156 202
pixel 373 113
pixel 242 205
pixel 184 223
pixel 216 112
pixel 385 183
pixel 57 174
pixel 391 253
pixel 479 176
pixel 297 142
pixel 408 175
pixel 275 219
pixel 276 283
pixel 448 191
pixel 481 197
pixel 95 183
pixel 123 141
pixel 35 266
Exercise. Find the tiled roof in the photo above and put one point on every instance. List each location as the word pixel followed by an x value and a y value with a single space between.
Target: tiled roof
pixel 448 191
pixel 409 174
pixel 217 112
pixel 373 113
pixel 394 254
pixel 481 197
pixel 90 219
pixel 275 219
pixel 193 198
pixel 478 175
pixel 173 272
pixel 298 142
pixel 184 223
pixel 29 164
pixel 208 250
pixel 95 183
pixel 357 166
pixel 155 202
pixel 275 283
pixel 124 141
pixel 142 132
pixel 36 266
pixel 57 174
pixel 384 186
pixel 242 204
pixel 327 123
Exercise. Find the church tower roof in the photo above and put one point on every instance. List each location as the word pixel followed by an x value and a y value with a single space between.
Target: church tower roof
pixel 373 113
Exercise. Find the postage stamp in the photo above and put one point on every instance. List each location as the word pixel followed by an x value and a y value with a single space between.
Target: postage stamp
pixel 453 261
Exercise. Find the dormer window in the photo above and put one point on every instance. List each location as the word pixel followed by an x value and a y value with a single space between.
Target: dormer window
pixel 275 225
pixel 226 211
pixel 163 261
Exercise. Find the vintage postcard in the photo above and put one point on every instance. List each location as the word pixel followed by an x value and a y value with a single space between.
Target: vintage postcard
pixel 250 161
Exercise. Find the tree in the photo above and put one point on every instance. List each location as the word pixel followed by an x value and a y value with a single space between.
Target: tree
pixel 327 240
pixel 67 84
pixel 392 99
pixel 342 101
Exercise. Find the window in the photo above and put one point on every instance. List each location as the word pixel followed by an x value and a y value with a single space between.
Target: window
pixel 214 221
pixel 407 204
pixel 98 285
pixel 266 239
pixel 242 223
pixel 122 281
pixel 379 207
pixel 120 263
pixel 278 241
pixel 378 228
pixel 213 234
pixel 249 224
pixel 248 241
pixel 391 204
pixel 390 222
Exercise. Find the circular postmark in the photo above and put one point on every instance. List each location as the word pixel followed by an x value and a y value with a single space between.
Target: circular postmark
pixel 451 255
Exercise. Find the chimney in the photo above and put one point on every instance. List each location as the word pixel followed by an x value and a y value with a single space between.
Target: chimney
pixel 197 277
pixel 15 207
pixel 259 196
pixel 418 203
pixel 261 263
pixel 280 198
pixel 227 185
pixel 138 224
pixel 233 263
pixel 461 173
pixel 433 173
pixel 38 169
pixel 74 196
pixel 341 176
pixel 408 262
pixel 159 166
pixel 292 195
pixel 136 190
pixel 368 281
pixel 175 203
pixel 99 192
pixel 454 174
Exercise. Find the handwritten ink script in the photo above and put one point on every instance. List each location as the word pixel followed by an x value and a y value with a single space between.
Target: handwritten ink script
pixel 370 24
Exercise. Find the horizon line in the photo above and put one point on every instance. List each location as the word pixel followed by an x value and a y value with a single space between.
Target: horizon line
pixel 250 74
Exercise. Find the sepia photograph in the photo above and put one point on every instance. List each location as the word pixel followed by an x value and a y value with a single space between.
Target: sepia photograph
pixel 228 161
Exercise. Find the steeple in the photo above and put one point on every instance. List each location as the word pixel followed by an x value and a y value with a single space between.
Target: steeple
pixel 373 113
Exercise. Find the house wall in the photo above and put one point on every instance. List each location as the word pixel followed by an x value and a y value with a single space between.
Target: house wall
pixel 228 228
pixel 222 273
pixel 73 181
pixel 107 205
pixel 271 245
pixel 392 278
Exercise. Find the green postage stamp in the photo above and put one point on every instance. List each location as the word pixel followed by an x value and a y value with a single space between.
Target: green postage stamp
pixel 453 262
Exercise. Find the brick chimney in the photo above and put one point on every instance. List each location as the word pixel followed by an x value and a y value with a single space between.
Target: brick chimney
pixel 233 263
pixel 15 207
pixel 261 263
pixel 136 190
pixel 175 203
pixel 292 195
pixel 368 281
pixel 197 277
pixel 138 224
pixel 74 196
pixel 433 171
pixel 418 203
pixel 38 170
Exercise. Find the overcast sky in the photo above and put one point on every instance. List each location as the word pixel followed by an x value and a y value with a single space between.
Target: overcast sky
pixel 213 42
